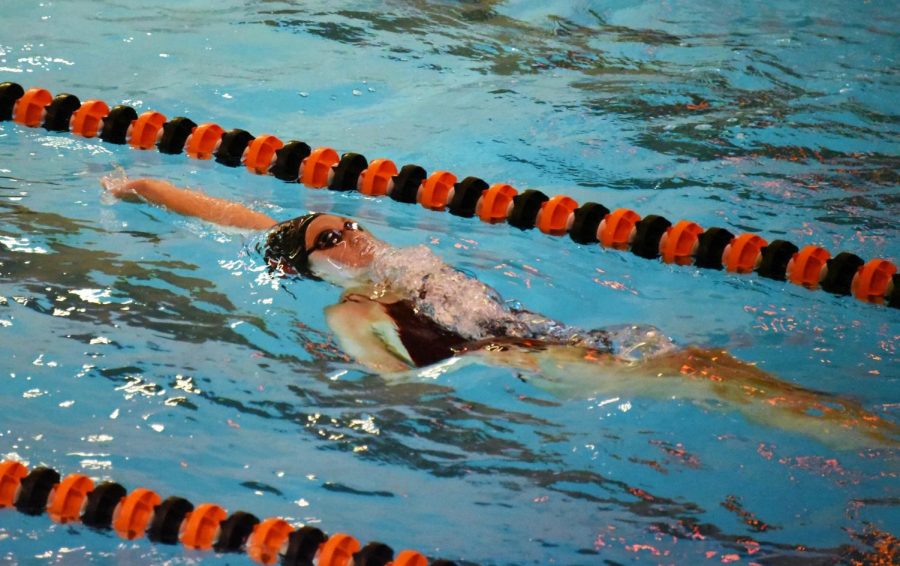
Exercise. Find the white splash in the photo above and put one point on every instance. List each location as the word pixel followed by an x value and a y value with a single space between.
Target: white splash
pixel 476 311
pixel 20 245
pixel 442 293
pixel 95 296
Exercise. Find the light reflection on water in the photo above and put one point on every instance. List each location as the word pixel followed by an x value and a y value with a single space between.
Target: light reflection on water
pixel 769 118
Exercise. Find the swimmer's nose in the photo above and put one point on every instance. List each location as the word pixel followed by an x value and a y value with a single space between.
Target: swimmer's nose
pixel 360 239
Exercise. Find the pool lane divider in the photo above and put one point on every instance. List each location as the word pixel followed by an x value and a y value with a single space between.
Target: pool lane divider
pixel 650 237
pixel 208 527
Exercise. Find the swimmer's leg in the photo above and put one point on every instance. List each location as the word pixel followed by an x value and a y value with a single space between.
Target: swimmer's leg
pixel 699 375
pixel 764 398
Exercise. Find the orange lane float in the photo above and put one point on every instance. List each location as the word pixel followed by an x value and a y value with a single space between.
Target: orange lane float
pixel 376 178
pixel 651 236
pixel 205 527
pixel 86 121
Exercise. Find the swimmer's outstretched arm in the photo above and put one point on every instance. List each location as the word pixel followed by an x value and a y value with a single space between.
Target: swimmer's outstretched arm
pixel 189 203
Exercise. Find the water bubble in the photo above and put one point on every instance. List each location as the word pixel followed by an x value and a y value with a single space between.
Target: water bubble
pixel 475 311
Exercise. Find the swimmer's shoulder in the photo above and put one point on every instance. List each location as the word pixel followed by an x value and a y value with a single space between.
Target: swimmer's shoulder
pixel 403 330
pixel 366 332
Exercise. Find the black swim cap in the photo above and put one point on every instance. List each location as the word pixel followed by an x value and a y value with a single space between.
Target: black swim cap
pixel 286 244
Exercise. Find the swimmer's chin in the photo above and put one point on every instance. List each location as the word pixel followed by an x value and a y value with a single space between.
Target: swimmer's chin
pixel 341 275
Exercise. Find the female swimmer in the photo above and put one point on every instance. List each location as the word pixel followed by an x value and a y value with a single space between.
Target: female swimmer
pixel 404 308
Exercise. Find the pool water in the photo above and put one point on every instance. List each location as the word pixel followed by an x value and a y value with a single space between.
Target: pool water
pixel 133 347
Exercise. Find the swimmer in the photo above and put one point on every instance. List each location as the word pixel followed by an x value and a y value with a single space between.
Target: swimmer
pixel 403 308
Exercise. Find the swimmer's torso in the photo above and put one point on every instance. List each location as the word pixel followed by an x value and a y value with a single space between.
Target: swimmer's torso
pixel 410 309
pixel 391 334
pixel 425 341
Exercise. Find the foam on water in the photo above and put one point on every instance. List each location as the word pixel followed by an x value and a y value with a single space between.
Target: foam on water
pixel 442 293
pixel 476 311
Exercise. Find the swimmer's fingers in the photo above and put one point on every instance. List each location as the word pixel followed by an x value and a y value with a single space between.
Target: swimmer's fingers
pixel 120 187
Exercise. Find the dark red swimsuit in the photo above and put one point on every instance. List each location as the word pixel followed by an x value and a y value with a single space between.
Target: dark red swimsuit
pixel 426 341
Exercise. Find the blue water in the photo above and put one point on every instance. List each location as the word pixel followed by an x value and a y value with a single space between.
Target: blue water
pixel 130 350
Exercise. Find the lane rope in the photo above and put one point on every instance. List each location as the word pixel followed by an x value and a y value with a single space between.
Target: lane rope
pixel 651 237
pixel 207 526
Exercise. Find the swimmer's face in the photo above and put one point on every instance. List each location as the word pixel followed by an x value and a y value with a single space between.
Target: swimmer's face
pixel 339 250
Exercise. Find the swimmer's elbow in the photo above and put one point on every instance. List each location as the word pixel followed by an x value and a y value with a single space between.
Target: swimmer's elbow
pixel 238 216
pixel 194 203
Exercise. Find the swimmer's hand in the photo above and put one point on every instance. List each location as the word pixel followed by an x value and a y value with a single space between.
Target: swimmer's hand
pixel 119 186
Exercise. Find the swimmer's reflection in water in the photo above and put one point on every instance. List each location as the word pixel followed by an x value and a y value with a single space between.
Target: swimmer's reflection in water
pixel 403 308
